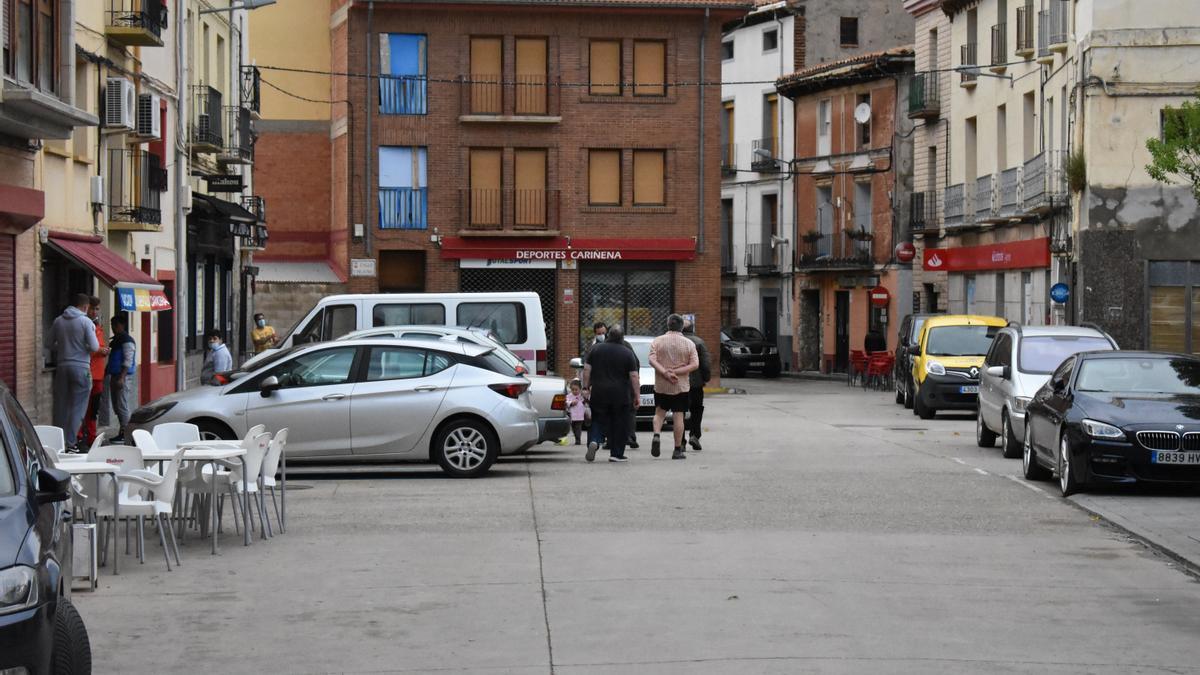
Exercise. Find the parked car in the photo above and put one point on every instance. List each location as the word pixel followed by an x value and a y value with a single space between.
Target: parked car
pixel 641 348
pixel 1017 366
pixel 745 349
pixel 1115 418
pixel 40 630
pixel 549 392
pixel 457 404
pixel 910 330
pixel 947 359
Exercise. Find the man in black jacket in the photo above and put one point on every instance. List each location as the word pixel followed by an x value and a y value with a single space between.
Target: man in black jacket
pixel 698 379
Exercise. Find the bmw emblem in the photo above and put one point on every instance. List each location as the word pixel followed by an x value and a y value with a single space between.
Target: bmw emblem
pixel 1179 427
pixel 974 372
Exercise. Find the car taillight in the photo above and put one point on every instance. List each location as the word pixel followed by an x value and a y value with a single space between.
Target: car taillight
pixel 542 364
pixel 560 402
pixel 510 390
pixel 521 369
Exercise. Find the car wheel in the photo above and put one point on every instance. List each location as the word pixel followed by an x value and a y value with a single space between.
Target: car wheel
pixel 923 411
pixel 908 394
pixel 212 430
pixel 984 437
pixel 465 448
pixel 726 370
pixel 72 650
pixel 1067 482
pixel 1008 442
pixel 899 392
pixel 1029 464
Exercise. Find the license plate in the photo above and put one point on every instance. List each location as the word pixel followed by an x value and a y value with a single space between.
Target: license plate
pixel 968 390
pixel 647 400
pixel 1175 457
pixel 758 363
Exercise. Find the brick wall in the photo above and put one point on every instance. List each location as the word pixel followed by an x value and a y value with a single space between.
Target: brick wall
pixel 291 171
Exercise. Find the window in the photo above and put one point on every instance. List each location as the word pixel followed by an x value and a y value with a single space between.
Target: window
pixel 771 124
pixel 770 217
pixel 727 131
pixel 395 363
pixel 315 369
pixel 1174 299
pixel 849 31
pixel 604 60
pixel 604 177
pixel 770 40
pixel 931 299
pixel 639 300
pixel 29 446
pixel 649 177
pixel 863 220
pixel 1029 125
pixel 402 188
pixel 960 340
pixel 165 329
pixel 969 292
pixel 727 50
pixel 649 68
pixel 487 76
pixel 402 85
pixel 824 220
pixel 1043 354
pixel 328 323
pixel 824 127
pixel 1001 301
pixel 1001 138
pixel 401 271
pixel 864 128
pixel 505 319
pixel 1172 123
pixel 532 76
pixel 221 74
pixel 485 187
pixel 529 169
pixel 428 314
pixel 31 50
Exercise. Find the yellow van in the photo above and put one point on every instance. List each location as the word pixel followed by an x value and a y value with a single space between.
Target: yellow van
pixel 947 359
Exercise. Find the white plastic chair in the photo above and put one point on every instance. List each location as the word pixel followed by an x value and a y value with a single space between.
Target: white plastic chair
pixel 230 481
pixel 127 459
pixel 159 507
pixel 51 438
pixel 171 435
pixel 245 442
pixel 270 467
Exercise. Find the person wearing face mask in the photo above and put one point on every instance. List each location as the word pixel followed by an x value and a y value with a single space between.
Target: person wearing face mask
pixel 599 330
pixel 263 336
pixel 219 360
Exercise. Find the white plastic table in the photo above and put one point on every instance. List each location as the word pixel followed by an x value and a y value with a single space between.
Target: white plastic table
pixel 80 468
pixel 199 451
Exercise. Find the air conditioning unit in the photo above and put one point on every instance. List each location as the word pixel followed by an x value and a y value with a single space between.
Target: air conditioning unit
pixel 149 119
pixel 120 105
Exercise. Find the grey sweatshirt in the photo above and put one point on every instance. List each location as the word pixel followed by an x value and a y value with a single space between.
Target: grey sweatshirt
pixel 73 338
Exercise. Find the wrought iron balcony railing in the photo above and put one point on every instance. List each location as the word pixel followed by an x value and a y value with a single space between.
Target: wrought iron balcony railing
pixel 1026 38
pixel 969 60
pixel 1044 181
pixel 510 209
pixel 922 212
pixel 136 23
pixel 207 120
pixel 924 96
pixel 764 153
pixel 402 95
pixel 134 201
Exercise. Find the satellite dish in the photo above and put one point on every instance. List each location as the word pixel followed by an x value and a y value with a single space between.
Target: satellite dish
pixel 862 113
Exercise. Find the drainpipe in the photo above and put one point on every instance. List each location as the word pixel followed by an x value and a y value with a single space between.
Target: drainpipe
pixel 367 226
pixel 700 191
pixel 181 164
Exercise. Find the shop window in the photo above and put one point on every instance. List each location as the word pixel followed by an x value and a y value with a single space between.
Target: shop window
pixel 409 314
pixel 639 300
pixel 402 85
pixel 649 68
pixel 604 177
pixel 649 178
pixel 505 319
pixel 61 280
pixel 487 75
pixel 604 60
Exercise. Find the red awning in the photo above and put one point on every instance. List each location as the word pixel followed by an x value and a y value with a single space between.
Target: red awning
pixel 112 270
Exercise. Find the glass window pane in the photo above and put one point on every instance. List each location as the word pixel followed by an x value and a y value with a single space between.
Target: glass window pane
pixel 649 302
pixel 46 53
pixel 601 298
pixel 339 320
pixel 1168 273
pixel 436 363
pixel 1167 327
pixel 409 315
pixel 25 42
pixel 505 319
pixel 1044 354
pixel 395 363
pixel 314 369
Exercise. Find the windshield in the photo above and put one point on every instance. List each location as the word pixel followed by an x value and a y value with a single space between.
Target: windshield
pixel 1043 354
pixel 747 334
pixel 1141 376
pixel 960 340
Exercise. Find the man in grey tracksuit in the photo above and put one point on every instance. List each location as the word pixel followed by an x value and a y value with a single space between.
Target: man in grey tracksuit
pixel 72 340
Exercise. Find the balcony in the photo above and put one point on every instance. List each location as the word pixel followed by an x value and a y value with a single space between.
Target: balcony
pixel 1026 45
pixel 815 254
pixel 158 174
pixel 207 111
pixel 403 208
pixel 728 266
pixel 135 23
pixel 509 211
pixel 1059 30
pixel 1044 53
pixel 970 64
pixel 1008 198
pixel 531 99
pixel 924 96
pixel 763 154
pixel 27 112
pixel 133 202
pixel 1044 182
pixel 922 212
pixel 254 237
pixel 985 203
pixel 252 90
pixel 959 207
pixel 402 95
pixel 238 147
pixel 765 259
pixel 728 160
pixel 999 48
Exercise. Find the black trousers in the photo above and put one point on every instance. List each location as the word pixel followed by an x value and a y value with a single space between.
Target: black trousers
pixel 696 409
pixel 613 419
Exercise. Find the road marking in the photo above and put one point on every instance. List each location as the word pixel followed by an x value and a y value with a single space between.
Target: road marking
pixel 1024 483
pixel 981 472
pixel 959 461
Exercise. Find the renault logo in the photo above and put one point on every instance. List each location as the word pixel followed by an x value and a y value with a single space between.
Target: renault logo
pixel 974 372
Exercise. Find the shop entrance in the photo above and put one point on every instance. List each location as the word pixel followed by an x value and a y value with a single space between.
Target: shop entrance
pixel 499 280
pixel 842 330
pixel 637 299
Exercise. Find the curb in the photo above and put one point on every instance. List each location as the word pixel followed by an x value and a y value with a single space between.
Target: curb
pixel 812 375
pixel 1152 539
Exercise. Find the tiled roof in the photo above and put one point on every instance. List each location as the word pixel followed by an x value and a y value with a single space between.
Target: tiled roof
pixel 842 67
pixel 648 4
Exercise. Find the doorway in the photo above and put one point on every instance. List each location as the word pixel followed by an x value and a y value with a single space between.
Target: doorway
pixel 841 307
pixel 770 318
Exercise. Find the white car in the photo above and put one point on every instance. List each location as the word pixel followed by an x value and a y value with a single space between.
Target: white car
pixel 457 404
pixel 641 349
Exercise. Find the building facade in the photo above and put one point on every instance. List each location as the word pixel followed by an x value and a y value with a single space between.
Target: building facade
pixel 854 175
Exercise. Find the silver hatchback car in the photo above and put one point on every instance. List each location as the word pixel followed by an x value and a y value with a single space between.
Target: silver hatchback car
pixel 1019 363
pixel 454 403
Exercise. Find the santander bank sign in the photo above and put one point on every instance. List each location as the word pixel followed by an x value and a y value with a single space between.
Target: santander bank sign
pixel 1030 253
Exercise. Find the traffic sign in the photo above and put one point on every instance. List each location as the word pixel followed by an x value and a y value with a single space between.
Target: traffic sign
pixel 1060 293
pixel 879 296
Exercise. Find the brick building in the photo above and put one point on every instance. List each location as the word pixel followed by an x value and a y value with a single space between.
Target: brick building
pixel 558 147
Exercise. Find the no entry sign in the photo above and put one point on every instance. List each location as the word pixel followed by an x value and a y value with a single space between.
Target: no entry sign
pixel 880 297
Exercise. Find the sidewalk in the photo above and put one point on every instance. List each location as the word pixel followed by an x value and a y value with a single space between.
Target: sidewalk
pixel 1168 522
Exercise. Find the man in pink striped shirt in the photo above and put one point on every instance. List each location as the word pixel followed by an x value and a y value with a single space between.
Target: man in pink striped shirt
pixel 673 357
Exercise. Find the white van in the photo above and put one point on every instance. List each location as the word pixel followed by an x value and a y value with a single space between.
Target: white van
pixel 516 318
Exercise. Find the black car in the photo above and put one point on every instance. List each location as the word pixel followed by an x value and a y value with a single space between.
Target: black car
pixel 744 349
pixel 910 329
pixel 40 631
pixel 1116 418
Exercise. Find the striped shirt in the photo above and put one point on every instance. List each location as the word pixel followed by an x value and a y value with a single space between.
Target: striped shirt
pixel 673 352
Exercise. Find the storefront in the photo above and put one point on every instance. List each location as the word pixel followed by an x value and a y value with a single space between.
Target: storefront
pixel 849 306
pixel 213 273
pixel 1010 279
pixel 20 209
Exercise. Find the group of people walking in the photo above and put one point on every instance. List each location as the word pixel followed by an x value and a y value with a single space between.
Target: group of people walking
pixel 611 390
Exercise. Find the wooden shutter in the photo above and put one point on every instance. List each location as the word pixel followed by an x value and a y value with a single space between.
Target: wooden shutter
pixel 605 60
pixel 530 196
pixel 649 68
pixel 487 73
pixel 532 76
pixel 485 186
pixel 771 122
pixel 8 314
pixel 649 174
pixel 604 177
pixel 1167 311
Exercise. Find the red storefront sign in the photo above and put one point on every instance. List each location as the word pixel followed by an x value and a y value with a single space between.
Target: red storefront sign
pixel 566 248
pixel 1007 256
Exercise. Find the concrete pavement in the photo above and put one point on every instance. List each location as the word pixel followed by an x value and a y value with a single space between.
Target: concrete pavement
pixel 824 529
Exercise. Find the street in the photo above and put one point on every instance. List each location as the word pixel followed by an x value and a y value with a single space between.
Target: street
pixel 823 529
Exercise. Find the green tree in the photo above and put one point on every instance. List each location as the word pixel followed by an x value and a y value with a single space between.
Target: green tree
pixel 1176 155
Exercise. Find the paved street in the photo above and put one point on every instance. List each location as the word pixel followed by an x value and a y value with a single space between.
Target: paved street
pixel 823 529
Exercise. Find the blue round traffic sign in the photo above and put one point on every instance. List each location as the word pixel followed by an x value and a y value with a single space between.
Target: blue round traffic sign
pixel 1059 293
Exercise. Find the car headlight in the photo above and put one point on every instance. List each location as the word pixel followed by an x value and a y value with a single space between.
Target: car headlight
pixel 772 350
pixel 934 368
pixel 740 351
pixel 18 589
pixel 1020 403
pixel 1101 430
pixel 151 412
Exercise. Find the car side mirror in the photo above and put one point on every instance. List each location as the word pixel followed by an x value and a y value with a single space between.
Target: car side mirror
pixel 577 363
pixel 268 386
pixel 916 350
pixel 1001 372
pixel 54 485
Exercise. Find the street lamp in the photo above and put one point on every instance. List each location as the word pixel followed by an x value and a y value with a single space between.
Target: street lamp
pixel 244 4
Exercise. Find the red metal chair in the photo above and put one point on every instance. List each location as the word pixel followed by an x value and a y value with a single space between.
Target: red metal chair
pixel 858 366
pixel 879 370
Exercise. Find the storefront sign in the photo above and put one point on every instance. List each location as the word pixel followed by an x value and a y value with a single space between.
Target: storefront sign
pixel 142 300
pixel 1060 293
pixel 1007 256
pixel 505 264
pixel 224 183
pixel 880 297
pixel 566 249
pixel 362 267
